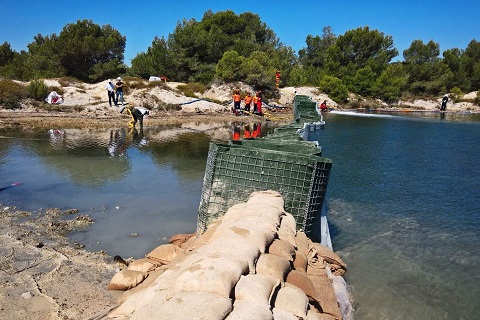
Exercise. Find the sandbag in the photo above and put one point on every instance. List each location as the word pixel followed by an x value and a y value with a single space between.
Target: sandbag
pixel 126 279
pixel 327 254
pixel 144 265
pixel 186 305
pixel 283 249
pixel 300 262
pixel 302 242
pixel 260 234
pixel 326 294
pixel 256 288
pixel 279 314
pixel 286 233
pixel 235 246
pixel 180 238
pixel 289 221
pixel 250 310
pixel 273 265
pixel 292 299
pixel 270 198
pixel 301 280
pixel 164 253
pixel 211 274
pixel 136 301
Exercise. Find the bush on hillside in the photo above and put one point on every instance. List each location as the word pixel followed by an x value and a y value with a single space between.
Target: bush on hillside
pixel 190 89
pixel 11 93
pixel 37 90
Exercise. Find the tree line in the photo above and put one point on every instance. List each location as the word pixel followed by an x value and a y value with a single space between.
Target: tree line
pixel 224 46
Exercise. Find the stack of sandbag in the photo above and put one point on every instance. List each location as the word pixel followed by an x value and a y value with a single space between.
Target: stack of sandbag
pixel 249 264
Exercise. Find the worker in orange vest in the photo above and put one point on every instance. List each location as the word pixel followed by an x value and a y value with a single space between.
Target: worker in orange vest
pixel 248 102
pixel 237 99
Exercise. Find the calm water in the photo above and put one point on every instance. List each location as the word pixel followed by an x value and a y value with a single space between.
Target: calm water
pixel 402 199
pixel 405 213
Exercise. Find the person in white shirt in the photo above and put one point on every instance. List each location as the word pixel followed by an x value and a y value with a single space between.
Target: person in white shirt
pixel 111 92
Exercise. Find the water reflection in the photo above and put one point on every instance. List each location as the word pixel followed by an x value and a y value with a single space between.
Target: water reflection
pixel 245 130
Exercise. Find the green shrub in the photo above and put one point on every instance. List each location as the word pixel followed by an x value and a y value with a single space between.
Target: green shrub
pixel 335 88
pixel 190 89
pixel 11 102
pixel 456 94
pixel 11 93
pixel 37 90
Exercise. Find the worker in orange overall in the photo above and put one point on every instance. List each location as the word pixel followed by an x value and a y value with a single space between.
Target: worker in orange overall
pixel 248 102
pixel 237 99
pixel 257 109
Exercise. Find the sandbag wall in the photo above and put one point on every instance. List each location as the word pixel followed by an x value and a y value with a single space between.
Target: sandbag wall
pixel 248 264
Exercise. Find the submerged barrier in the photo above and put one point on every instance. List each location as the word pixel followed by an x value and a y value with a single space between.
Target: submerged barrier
pixel 282 161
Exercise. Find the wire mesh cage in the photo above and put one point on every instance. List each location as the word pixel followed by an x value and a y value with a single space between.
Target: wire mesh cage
pixel 234 171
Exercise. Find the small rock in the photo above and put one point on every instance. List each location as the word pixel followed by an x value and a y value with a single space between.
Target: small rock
pixel 27 295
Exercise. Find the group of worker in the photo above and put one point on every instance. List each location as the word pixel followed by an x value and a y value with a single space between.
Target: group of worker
pixel 248 100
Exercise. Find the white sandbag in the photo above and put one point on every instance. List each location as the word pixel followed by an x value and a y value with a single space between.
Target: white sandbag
pixel 256 288
pixel 262 234
pixel 269 197
pixel 136 301
pixel 283 249
pixel 286 233
pixel 302 242
pixel 272 265
pixel 126 279
pixel 144 265
pixel 289 221
pixel 211 274
pixel 292 299
pixel 186 305
pixel 164 253
pixel 313 314
pixel 250 310
pixel 235 246
pixel 279 314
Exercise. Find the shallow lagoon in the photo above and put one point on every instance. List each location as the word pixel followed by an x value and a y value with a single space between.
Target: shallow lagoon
pixel 402 199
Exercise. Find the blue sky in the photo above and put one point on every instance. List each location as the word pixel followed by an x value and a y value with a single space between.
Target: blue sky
pixel 450 24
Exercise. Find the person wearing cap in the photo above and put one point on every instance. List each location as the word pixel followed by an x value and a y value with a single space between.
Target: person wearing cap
pixel 111 92
pixel 119 89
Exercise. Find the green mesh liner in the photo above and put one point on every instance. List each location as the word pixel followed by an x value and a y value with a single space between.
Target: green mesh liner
pixel 302 147
pixel 305 108
pixel 233 172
